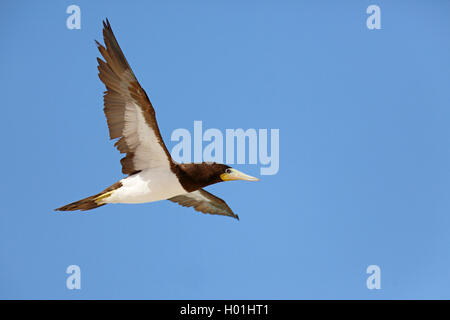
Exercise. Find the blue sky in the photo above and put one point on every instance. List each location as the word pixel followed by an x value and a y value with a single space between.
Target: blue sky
pixel 364 150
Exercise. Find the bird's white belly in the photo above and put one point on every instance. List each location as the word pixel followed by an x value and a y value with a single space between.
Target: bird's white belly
pixel 146 186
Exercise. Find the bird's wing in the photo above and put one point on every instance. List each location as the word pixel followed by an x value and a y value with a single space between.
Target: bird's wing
pixel 129 112
pixel 205 202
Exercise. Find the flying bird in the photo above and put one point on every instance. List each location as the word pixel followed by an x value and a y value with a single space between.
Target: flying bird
pixel 152 173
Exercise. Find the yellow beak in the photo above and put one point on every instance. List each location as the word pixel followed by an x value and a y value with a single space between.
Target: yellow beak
pixel 237 175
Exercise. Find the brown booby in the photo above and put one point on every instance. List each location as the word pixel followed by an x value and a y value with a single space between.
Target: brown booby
pixel 152 173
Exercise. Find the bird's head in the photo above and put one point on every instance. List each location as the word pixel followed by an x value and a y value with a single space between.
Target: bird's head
pixel 199 175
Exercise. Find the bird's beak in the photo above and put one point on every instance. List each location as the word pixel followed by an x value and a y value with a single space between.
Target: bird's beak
pixel 237 175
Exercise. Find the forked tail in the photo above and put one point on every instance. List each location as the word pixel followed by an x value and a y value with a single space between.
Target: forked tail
pixel 91 202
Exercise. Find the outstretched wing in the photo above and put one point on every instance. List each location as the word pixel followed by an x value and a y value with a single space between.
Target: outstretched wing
pixel 129 112
pixel 205 202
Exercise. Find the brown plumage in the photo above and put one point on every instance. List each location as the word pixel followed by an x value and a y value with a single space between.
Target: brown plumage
pixel 194 176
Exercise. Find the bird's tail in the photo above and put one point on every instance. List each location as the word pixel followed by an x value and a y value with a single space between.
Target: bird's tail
pixel 91 202
pixel 83 205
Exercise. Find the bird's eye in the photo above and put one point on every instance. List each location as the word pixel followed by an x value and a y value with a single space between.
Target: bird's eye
pixel 228 171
